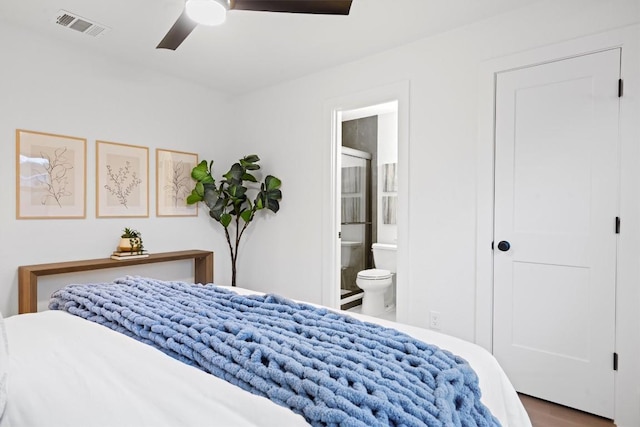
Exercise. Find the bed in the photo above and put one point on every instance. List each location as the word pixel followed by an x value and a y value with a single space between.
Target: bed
pixel 64 370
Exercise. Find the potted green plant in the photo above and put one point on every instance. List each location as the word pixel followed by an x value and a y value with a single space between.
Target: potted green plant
pixel 130 241
pixel 229 202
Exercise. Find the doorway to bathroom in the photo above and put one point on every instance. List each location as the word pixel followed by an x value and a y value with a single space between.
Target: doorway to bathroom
pixel 368 183
pixel 353 106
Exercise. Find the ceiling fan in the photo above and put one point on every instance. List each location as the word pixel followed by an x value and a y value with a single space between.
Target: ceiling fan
pixel 213 12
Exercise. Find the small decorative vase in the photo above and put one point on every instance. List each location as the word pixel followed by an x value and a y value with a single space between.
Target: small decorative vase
pixel 129 244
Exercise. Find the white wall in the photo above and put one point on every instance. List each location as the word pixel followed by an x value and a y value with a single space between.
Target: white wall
pixel 58 89
pixel 290 127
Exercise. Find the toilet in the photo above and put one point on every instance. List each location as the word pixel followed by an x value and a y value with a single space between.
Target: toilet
pixel 376 281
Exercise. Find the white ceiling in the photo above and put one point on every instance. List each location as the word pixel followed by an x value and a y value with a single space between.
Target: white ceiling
pixel 250 50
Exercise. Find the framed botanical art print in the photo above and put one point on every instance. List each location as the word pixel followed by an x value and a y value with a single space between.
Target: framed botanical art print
pixel 122 180
pixel 174 183
pixel 50 176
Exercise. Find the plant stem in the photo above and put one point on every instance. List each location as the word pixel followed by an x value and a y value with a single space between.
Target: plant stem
pixel 238 237
pixel 233 257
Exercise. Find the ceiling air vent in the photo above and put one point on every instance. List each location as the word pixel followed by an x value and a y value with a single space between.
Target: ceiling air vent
pixel 82 25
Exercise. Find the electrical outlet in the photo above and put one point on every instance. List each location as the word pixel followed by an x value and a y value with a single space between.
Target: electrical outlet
pixel 434 320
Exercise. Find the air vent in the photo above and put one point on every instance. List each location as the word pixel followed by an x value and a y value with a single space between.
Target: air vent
pixel 77 23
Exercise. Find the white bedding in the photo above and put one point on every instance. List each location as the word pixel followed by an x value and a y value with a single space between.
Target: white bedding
pixel 66 371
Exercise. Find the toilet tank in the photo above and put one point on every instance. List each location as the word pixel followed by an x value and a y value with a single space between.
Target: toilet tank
pixel 346 251
pixel 384 256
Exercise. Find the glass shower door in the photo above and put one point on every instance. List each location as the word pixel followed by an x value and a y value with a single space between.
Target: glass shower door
pixel 355 218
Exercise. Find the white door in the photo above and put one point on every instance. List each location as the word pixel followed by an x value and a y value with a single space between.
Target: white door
pixel 556 201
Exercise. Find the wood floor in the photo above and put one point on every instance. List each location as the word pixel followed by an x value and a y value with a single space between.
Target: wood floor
pixel 547 414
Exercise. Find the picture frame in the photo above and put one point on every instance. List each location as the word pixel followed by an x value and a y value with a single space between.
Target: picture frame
pixel 50 176
pixel 390 177
pixel 174 183
pixel 389 209
pixel 122 180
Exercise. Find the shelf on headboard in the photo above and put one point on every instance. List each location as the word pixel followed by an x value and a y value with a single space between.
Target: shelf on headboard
pixel 28 274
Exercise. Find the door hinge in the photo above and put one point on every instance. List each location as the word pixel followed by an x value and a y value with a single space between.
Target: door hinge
pixel 615 361
pixel 339 234
pixel 620 88
pixel 617 225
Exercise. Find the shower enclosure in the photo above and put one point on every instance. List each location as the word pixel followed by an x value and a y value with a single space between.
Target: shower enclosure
pixel 356 223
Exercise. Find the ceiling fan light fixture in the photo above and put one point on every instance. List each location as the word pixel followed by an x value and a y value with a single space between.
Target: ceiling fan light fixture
pixel 206 12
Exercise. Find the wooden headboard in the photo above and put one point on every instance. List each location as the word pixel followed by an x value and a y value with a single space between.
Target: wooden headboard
pixel 28 274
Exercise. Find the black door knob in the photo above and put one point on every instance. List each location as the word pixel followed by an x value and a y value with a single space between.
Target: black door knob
pixel 504 246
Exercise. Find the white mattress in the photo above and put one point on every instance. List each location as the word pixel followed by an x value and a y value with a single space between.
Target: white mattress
pixel 66 371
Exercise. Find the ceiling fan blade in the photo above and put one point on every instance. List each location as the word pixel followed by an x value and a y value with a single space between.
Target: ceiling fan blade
pixel 324 7
pixel 178 32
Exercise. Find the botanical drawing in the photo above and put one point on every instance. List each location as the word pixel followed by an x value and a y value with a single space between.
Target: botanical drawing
pixel 55 179
pixel 122 181
pixel 178 182
pixel 174 182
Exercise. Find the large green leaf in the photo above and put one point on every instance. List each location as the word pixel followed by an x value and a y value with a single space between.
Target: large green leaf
pixel 246 215
pixel 272 182
pixel 210 196
pixel 274 194
pixel 251 158
pixel 194 197
pixel 225 220
pixel 217 210
pixel 269 194
pixel 199 188
pixel 201 173
pixel 235 173
pixel 237 191
pixel 249 177
pixel 197 194
pixel 249 162
pixel 274 206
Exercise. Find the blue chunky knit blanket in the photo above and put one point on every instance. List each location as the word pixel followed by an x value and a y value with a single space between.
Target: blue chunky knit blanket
pixel 330 368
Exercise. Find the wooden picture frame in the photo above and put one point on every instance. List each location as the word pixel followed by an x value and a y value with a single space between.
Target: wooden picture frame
pixel 50 176
pixel 122 180
pixel 174 183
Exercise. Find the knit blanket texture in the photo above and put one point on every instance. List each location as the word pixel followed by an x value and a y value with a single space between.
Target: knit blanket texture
pixel 332 369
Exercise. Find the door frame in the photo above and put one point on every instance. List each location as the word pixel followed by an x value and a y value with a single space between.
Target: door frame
pixel 628 296
pixel 333 109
